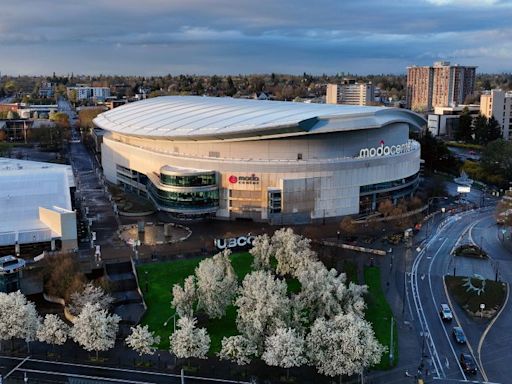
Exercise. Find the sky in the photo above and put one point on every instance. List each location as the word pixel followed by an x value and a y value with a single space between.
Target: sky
pixel 156 37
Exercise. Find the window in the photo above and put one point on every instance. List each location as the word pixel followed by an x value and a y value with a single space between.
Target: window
pixel 299 156
pixel 198 180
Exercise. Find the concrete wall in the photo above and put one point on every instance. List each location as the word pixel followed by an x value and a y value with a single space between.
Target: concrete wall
pixel 325 183
pixel 63 223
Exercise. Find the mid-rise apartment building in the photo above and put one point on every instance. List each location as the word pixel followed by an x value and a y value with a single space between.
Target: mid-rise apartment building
pixel 350 92
pixel 498 103
pixel 84 92
pixel 440 85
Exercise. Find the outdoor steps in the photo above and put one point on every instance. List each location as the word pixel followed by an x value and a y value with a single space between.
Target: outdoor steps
pixel 126 297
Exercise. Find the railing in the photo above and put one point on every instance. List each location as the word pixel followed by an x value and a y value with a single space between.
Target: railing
pixel 414 145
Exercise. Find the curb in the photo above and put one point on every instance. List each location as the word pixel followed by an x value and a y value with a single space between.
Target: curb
pixel 486 331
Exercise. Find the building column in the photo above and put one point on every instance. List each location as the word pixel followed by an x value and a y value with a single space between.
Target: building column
pixel 52 245
pixel 374 202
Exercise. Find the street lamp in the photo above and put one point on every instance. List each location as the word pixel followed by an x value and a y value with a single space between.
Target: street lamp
pixel 429 201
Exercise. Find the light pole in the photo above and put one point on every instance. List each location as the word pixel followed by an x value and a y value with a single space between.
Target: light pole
pixel 429 201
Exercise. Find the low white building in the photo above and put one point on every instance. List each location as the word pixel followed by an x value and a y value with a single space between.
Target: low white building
pixel 35 205
pixel 444 122
pixel 84 92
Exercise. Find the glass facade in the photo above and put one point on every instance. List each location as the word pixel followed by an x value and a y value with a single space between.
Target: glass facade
pixel 199 180
pixel 185 200
pixel 388 184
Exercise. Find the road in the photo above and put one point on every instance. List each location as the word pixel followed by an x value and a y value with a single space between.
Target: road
pixel 427 292
pixel 497 346
pixel 15 369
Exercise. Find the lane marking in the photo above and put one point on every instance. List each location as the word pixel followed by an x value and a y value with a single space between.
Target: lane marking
pixel 102 378
pixel 486 331
pixel 16 367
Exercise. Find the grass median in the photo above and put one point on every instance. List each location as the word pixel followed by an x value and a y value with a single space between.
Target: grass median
pixel 380 315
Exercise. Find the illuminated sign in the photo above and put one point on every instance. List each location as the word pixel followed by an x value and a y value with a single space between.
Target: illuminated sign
pixel 234 242
pixel 463 189
pixel 252 179
pixel 386 150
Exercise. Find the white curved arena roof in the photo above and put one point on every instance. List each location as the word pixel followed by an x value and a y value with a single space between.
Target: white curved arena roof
pixel 214 118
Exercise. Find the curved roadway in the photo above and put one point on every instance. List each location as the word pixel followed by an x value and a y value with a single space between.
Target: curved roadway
pixel 427 292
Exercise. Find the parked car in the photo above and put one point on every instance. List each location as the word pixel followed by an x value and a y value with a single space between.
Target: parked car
pixel 458 335
pixel 467 363
pixel 446 313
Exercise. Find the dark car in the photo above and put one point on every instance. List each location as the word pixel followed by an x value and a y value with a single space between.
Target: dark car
pixel 467 363
pixel 458 335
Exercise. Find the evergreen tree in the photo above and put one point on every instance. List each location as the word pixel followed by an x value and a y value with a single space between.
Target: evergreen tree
pixel 465 130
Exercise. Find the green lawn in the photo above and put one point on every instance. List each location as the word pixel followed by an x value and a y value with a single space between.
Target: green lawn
pixel 380 315
pixel 162 276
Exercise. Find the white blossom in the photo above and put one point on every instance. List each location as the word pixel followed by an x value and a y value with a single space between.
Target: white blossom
pixel 216 284
pixel 142 340
pixel 189 341
pixel 238 349
pixel 344 345
pixel 262 251
pixel 18 317
pixel 90 294
pixel 95 329
pixel 325 293
pixel 262 304
pixel 292 252
pixel 284 348
pixel 183 299
pixel 53 330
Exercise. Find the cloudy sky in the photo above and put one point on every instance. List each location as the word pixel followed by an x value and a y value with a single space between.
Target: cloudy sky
pixel 246 36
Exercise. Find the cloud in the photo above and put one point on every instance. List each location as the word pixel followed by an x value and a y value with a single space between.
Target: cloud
pixel 192 36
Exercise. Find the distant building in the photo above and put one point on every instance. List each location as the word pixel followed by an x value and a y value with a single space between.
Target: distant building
pixel 46 89
pixel 444 121
pixel 440 85
pixel 498 104
pixel 350 92
pixel 111 104
pixel 35 207
pixel 84 92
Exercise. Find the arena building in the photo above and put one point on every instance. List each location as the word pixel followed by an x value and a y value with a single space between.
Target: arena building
pixel 280 162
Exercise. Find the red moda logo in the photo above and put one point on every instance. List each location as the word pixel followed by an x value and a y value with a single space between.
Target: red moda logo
pixel 233 179
pixel 382 142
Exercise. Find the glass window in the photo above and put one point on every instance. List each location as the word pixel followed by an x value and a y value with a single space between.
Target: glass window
pixel 198 180
pixel 185 200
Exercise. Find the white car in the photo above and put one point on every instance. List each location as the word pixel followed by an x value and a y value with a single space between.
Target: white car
pixel 446 313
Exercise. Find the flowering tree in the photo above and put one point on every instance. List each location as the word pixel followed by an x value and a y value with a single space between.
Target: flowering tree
pixel 325 293
pixel 292 252
pixel 262 250
pixel 262 304
pixel 90 294
pixel 183 298
pixel 18 317
pixel 53 330
pixel 285 349
pixel 95 329
pixel 189 341
pixel 344 345
pixel 216 284
pixel 142 340
pixel 238 349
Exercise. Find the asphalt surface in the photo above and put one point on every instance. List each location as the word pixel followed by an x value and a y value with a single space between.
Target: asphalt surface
pixel 36 371
pixel 432 262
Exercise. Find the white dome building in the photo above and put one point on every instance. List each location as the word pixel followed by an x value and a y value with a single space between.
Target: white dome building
pixel 271 161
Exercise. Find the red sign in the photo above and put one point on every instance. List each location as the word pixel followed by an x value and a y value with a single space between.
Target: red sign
pixel 233 179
